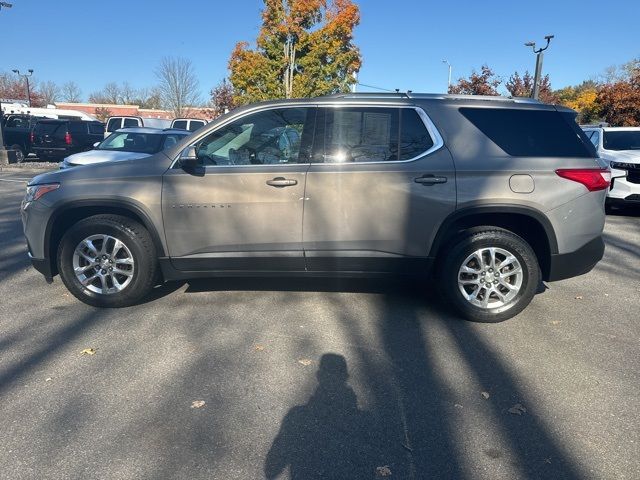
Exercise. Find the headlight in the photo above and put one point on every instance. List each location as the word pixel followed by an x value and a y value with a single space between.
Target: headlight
pixel 624 166
pixel 34 192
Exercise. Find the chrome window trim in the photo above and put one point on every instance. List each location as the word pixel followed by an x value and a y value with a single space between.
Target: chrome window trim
pixel 438 141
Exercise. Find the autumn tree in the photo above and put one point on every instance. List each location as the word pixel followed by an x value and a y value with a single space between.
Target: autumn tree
pixel 222 99
pixel 304 49
pixel 178 85
pixel 619 102
pixel 13 87
pixel 519 86
pixel 484 83
pixel 70 92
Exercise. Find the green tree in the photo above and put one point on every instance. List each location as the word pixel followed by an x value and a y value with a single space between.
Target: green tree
pixel 304 48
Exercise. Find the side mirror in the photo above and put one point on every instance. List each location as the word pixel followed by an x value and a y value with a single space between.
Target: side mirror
pixel 95 145
pixel 189 158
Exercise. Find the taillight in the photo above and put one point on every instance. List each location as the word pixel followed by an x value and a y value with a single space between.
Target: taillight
pixel 32 137
pixel 67 138
pixel 593 178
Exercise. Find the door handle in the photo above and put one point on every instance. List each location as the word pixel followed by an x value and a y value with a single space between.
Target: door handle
pixel 282 182
pixel 430 179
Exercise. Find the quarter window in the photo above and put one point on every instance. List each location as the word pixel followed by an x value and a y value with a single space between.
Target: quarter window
pixel 270 137
pixel 414 137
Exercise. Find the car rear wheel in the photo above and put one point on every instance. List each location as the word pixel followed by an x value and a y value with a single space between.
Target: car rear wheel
pixel 490 275
pixel 107 261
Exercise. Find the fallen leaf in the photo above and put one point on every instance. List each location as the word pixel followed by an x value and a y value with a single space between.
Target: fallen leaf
pixel 578 297
pixel 555 322
pixel 305 361
pixel 606 294
pixel 485 395
pixel 517 409
pixel 457 405
pixel 48 379
pixel 197 404
pixel 258 348
pixel 384 471
pixel 88 351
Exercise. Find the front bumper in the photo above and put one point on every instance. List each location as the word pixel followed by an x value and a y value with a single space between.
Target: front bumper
pixel 579 262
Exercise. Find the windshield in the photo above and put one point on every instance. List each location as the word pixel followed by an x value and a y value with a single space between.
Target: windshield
pixel 133 142
pixel 621 140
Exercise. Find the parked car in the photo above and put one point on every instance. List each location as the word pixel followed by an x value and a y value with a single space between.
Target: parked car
pixel 191 124
pixel 116 123
pixel 56 139
pixel 480 197
pixel 17 134
pixel 620 147
pixel 127 144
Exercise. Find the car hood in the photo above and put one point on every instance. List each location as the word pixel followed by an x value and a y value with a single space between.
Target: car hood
pixel 622 156
pixel 99 156
pixel 126 169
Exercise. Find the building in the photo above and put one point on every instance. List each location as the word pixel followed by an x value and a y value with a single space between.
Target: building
pixel 104 110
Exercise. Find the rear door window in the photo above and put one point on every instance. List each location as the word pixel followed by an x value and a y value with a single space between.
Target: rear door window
pixel 96 128
pixel 195 125
pixel 131 122
pixel 531 133
pixel 360 134
pixel 180 124
pixel 77 127
pixel 114 124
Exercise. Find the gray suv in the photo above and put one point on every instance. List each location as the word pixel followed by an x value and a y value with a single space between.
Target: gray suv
pixel 489 196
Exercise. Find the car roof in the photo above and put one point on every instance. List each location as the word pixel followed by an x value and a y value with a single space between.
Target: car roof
pixel 156 131
pixel 610 129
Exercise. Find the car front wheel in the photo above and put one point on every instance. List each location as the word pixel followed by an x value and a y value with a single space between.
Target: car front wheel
pixel 107 261
pixel 490 275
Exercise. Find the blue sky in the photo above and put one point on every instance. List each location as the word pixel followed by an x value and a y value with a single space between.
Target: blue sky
pixel 402 41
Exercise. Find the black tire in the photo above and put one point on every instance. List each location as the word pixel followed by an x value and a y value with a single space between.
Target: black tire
pixel 139 244
pixel 466 245
pixel 20 155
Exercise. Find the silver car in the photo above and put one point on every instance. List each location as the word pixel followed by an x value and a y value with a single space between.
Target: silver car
pixel 479 197
pixel 127 144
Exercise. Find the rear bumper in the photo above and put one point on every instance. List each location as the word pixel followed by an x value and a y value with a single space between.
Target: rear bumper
pixel 579 262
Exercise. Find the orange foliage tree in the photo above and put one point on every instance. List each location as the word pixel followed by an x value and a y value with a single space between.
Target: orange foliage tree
pixel 484 83
pixel 619 102
pixel 304 49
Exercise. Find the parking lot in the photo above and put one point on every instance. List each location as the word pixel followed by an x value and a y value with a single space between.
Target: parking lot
pixel 318 378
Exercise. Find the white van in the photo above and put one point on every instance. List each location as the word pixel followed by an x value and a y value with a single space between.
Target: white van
pixel 116 123
pixel 191 124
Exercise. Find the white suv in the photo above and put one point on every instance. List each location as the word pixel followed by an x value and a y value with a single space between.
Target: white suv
pixel 620 147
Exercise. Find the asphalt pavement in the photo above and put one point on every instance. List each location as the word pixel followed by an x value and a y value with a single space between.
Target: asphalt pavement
pixel 318 378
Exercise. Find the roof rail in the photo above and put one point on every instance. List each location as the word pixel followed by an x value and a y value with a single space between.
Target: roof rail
pixel 431 96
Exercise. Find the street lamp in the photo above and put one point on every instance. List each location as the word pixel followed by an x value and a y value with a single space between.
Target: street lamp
pixel 536 79
pixel 26 77
pixel 449 82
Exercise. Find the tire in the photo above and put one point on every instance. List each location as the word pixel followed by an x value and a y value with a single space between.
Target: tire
pixel 510 291
pixel 135 258
pixel 20 156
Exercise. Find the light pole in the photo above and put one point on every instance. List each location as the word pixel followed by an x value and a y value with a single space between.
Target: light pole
pixel 26 77
pixel 539 55
pixel 449 81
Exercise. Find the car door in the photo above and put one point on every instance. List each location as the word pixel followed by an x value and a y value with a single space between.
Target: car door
pixel 242 210
pixel 379 187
